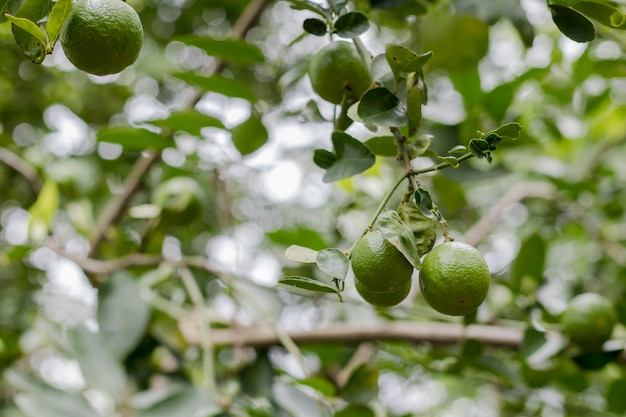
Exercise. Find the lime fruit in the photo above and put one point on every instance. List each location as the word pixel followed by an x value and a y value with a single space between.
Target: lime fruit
pixel 337 70
pixel 378 265
pixel 588 320
pixel 454 278
pixel 102 36
pixel 385 298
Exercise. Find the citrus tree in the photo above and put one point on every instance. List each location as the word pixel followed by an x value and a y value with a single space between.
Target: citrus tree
pixel 312 208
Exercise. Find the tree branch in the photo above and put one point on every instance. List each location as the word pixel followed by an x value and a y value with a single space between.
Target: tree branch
pixel 21 167
pixel 434 332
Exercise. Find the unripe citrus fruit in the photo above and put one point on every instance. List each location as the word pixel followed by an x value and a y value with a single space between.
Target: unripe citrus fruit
pixel 454 278
pixel 383 299
pixel 102 36
pixel 337 70
pixel 589 319
pixel 378 265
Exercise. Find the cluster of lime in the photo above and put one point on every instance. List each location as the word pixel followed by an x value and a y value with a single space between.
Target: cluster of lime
pixel 454 278
pixel 102 36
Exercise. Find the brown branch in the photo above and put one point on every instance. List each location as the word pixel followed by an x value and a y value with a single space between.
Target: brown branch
pixel 21 167
pixel 433 332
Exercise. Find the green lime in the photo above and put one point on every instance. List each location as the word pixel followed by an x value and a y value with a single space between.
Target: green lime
pixel 378 265
pixel 383 299
pixel 337 70
pixel 102 36
pixel 588 320
pixel 454 278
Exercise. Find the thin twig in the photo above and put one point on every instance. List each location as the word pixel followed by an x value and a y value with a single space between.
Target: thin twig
pixel 22 167
pixel 439 333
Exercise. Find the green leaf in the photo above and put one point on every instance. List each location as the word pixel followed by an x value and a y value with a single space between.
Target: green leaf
pixel 190 121
pixel 423 200
pixel 231 50
pixel 333 262
pixel 38 399
pixel 31 39
pixel 218 84
pixel 529 264
pixel 413 104
pixel 355 410
pixel 460 41
pixel 250 135
pixel 60 11
pixel 352 25
pixel 353 157
pixel 592 361
pixel 379 106
pixel 419 146
pixel 606 13
pixel 458 150
pixel 299 235
pixel 44 208
pixel 450 160
pixel 337 6
pixel 320 384
pixel 98 362
pixel 315 27
pixel 382 145
pixel 189 401
pixel 133 139
pixel 402 60
pixel 35 45
pixel 123 314
pixel 9 6
pixel 310 6
pixel 615 398
pixel 396 232
pixel 508 131
pixel 572 24
pixel 299 253
pixel 324 158
pixel 480 148
pixel 424 228
pixel 362 386
pixel 307 283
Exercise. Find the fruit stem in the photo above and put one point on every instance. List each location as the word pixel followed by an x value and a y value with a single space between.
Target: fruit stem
pixel 403 154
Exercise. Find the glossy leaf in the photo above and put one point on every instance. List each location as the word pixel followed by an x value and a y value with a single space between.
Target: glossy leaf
pixel 615 398
pixel 250 135
pixel 307 283
pixel 508 131
pixel 189 401
pixel 133 139
pixel 396 232
pixel 324 158
pixel 423 200
pixel 337 6
pixel 218 84
pixel 58 15
pixel 419 146
pixel 123 314
pixel 333 262
pixel 98 362
pixel 298 235
pixel 353 157
pixel 382 145
pixel 321 385
pixel 362 386
pixel 231 50
pixel 30 37
pixel 301 254
pixel 450 160
pixel 315 27
pixel 190 121
pixel 402 60
pixel 606 13
pixel 379 106
pixel 352 25
pixel 572 24
pixel 310 6
pixel 413 104
pixel 10 7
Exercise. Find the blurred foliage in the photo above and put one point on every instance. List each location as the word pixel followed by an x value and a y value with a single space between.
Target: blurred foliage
pixel 124 327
